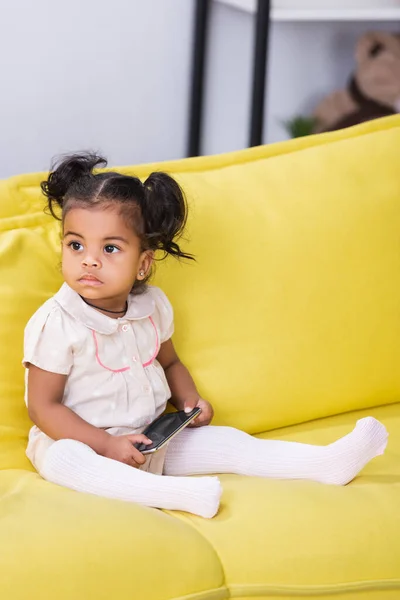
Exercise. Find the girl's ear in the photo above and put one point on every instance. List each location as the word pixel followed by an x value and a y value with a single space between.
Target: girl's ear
pixel 145 263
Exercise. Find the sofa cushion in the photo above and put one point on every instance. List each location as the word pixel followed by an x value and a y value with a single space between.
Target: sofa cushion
pixel 29 268
pixel 291 539
pixel 291 311
pixel 58 544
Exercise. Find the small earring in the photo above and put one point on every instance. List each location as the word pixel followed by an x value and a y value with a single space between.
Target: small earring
pixel 141 273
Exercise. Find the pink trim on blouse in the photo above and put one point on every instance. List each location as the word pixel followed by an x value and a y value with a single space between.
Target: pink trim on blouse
pixel 99 361
pixel 146 364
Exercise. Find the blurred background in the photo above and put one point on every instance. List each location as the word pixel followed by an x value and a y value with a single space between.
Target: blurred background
pixel 116 77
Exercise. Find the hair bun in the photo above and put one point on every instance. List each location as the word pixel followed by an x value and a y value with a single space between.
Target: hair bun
pixel 67 171
pixel 165 213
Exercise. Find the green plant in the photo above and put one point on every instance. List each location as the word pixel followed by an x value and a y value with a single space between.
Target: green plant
pixel 300 126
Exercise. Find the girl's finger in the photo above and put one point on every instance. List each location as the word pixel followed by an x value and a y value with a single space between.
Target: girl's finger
pixel 145 440
pixel 138 457
pixel 139 439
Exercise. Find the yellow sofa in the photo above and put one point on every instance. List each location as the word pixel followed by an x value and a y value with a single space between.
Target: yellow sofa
pixel 290 323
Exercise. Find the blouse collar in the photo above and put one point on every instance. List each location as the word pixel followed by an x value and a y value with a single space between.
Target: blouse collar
pixel 140 306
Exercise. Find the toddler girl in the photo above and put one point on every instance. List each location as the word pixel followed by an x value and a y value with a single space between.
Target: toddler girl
pixel 101 365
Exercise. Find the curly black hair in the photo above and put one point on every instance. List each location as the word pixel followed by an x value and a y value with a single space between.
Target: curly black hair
pixel 156 209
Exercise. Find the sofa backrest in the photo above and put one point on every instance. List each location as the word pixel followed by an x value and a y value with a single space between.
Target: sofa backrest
pixel 291 312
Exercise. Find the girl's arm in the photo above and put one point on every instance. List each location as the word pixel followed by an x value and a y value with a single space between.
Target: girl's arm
pixel 45 394
pixel 183 389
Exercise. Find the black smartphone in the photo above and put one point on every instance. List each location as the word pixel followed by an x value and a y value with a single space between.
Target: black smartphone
pixel 163 429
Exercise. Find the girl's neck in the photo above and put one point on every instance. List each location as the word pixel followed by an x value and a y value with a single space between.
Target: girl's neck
pixel 115 312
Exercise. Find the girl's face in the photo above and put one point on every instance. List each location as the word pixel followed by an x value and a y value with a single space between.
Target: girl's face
pixel 101 255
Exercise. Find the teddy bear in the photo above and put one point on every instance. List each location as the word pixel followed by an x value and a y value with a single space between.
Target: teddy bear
pixel 373 90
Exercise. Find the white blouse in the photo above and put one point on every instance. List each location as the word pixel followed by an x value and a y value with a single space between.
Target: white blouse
pixel 114 379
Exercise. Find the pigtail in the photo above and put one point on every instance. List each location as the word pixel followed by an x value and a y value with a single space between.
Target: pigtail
pixel 66 173
pixel 164 213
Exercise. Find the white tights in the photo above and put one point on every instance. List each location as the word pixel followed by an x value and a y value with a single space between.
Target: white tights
pixel 211 450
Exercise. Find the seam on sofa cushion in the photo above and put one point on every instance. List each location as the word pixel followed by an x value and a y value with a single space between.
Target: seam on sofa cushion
pixel 353 411
pixel 192 523
pixel 215 594
pixel 307 591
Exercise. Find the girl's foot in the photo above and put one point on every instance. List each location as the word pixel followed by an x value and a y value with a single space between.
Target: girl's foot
pixel 346 457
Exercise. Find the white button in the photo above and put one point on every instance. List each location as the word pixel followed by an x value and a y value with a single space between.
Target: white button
pixel 147 389
pixel 134 359
pixel 125 327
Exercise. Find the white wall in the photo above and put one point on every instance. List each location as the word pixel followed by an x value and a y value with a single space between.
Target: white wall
pixel 80 74
pixel 112 76
pixel 307 60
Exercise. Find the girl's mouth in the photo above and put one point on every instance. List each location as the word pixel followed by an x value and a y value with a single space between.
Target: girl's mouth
pixel 88 279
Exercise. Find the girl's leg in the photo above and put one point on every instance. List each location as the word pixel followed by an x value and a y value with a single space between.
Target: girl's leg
pixel 227 450
pixel 76 466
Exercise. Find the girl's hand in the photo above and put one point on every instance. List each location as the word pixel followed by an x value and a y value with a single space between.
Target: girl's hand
pixel 206 415
pixel 120 447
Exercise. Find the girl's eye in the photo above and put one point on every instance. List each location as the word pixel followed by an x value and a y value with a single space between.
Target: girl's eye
pixel 75 246
pixel 111 249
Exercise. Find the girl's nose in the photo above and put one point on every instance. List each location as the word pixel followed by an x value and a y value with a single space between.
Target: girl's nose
pixel 89 261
